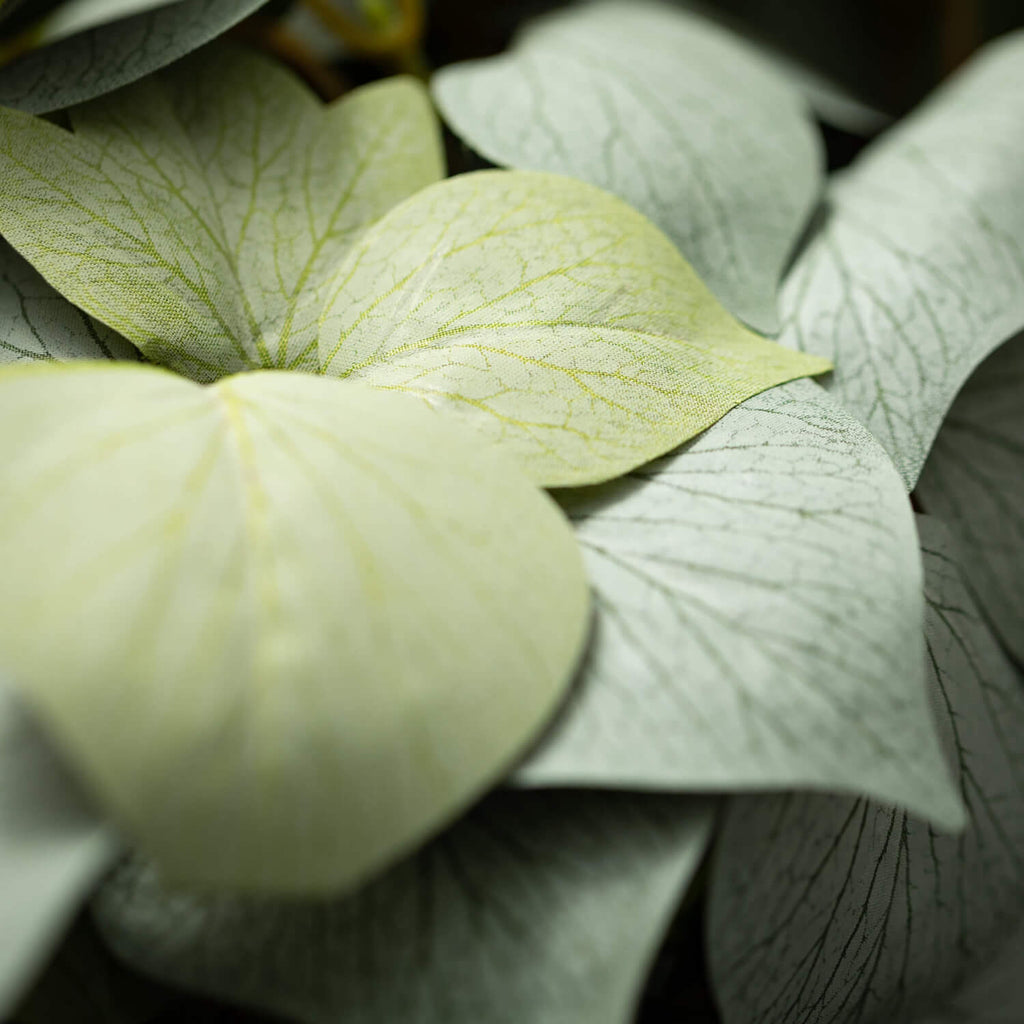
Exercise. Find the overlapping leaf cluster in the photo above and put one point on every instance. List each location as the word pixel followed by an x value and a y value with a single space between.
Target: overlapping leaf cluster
pixel 257 548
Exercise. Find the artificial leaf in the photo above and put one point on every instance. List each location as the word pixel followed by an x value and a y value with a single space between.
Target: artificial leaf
pixel 53 848
pixel 70 17
pixel 974 482
pixel 38 323
pixel 108 56
pixel 674 114
pixel 84 982
pixel 539 907
pixel 201 212
pixel 917 272
pixel 285 627
pixel 548 315
pixel 759 609
pixel 830 100
pixel 995 995
pixel 857 912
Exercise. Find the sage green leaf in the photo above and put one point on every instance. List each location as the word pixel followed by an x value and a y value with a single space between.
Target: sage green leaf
pixel 857 912
pixel 53 849
pixel 201 212
pixel 759 610
pixel 548 315
pixel 291 626
pixel 38 323
pixel 678 116
pixel 917 272
pixel 974 482
pixel 73 16
pixel 109 56
pixel 537 907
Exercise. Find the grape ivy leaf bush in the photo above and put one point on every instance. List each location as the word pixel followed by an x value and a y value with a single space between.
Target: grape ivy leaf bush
pixel 757 592
pixel 335 599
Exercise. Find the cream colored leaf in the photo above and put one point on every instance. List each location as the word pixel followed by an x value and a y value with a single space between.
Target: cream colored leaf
pixel 548 315
pixel 285 627
pixel 200 212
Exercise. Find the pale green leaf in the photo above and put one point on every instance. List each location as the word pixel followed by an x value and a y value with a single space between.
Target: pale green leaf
pixel 835 910
pixel 38 323
pixel 285 627
pixel 678 116
pixel 759 612
pixel 108 56
pixel 53 849
pixel 202 211
pixel 917 272
pixel 548 315
pixel 537 908
pixel 974 481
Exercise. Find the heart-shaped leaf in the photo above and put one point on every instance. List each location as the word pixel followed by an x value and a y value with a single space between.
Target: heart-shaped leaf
pixel 550 316
pixel 677 116
pixel 38 323
pixel 539 907
pixel 917 272
pixel 759 614
pixel 974 482
pixel 856 912
pixel 285 627
pixel 53 848
pixel 109 55
pixel 200 213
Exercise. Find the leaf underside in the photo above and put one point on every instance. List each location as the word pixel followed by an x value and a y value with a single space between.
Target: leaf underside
pixel 854 911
